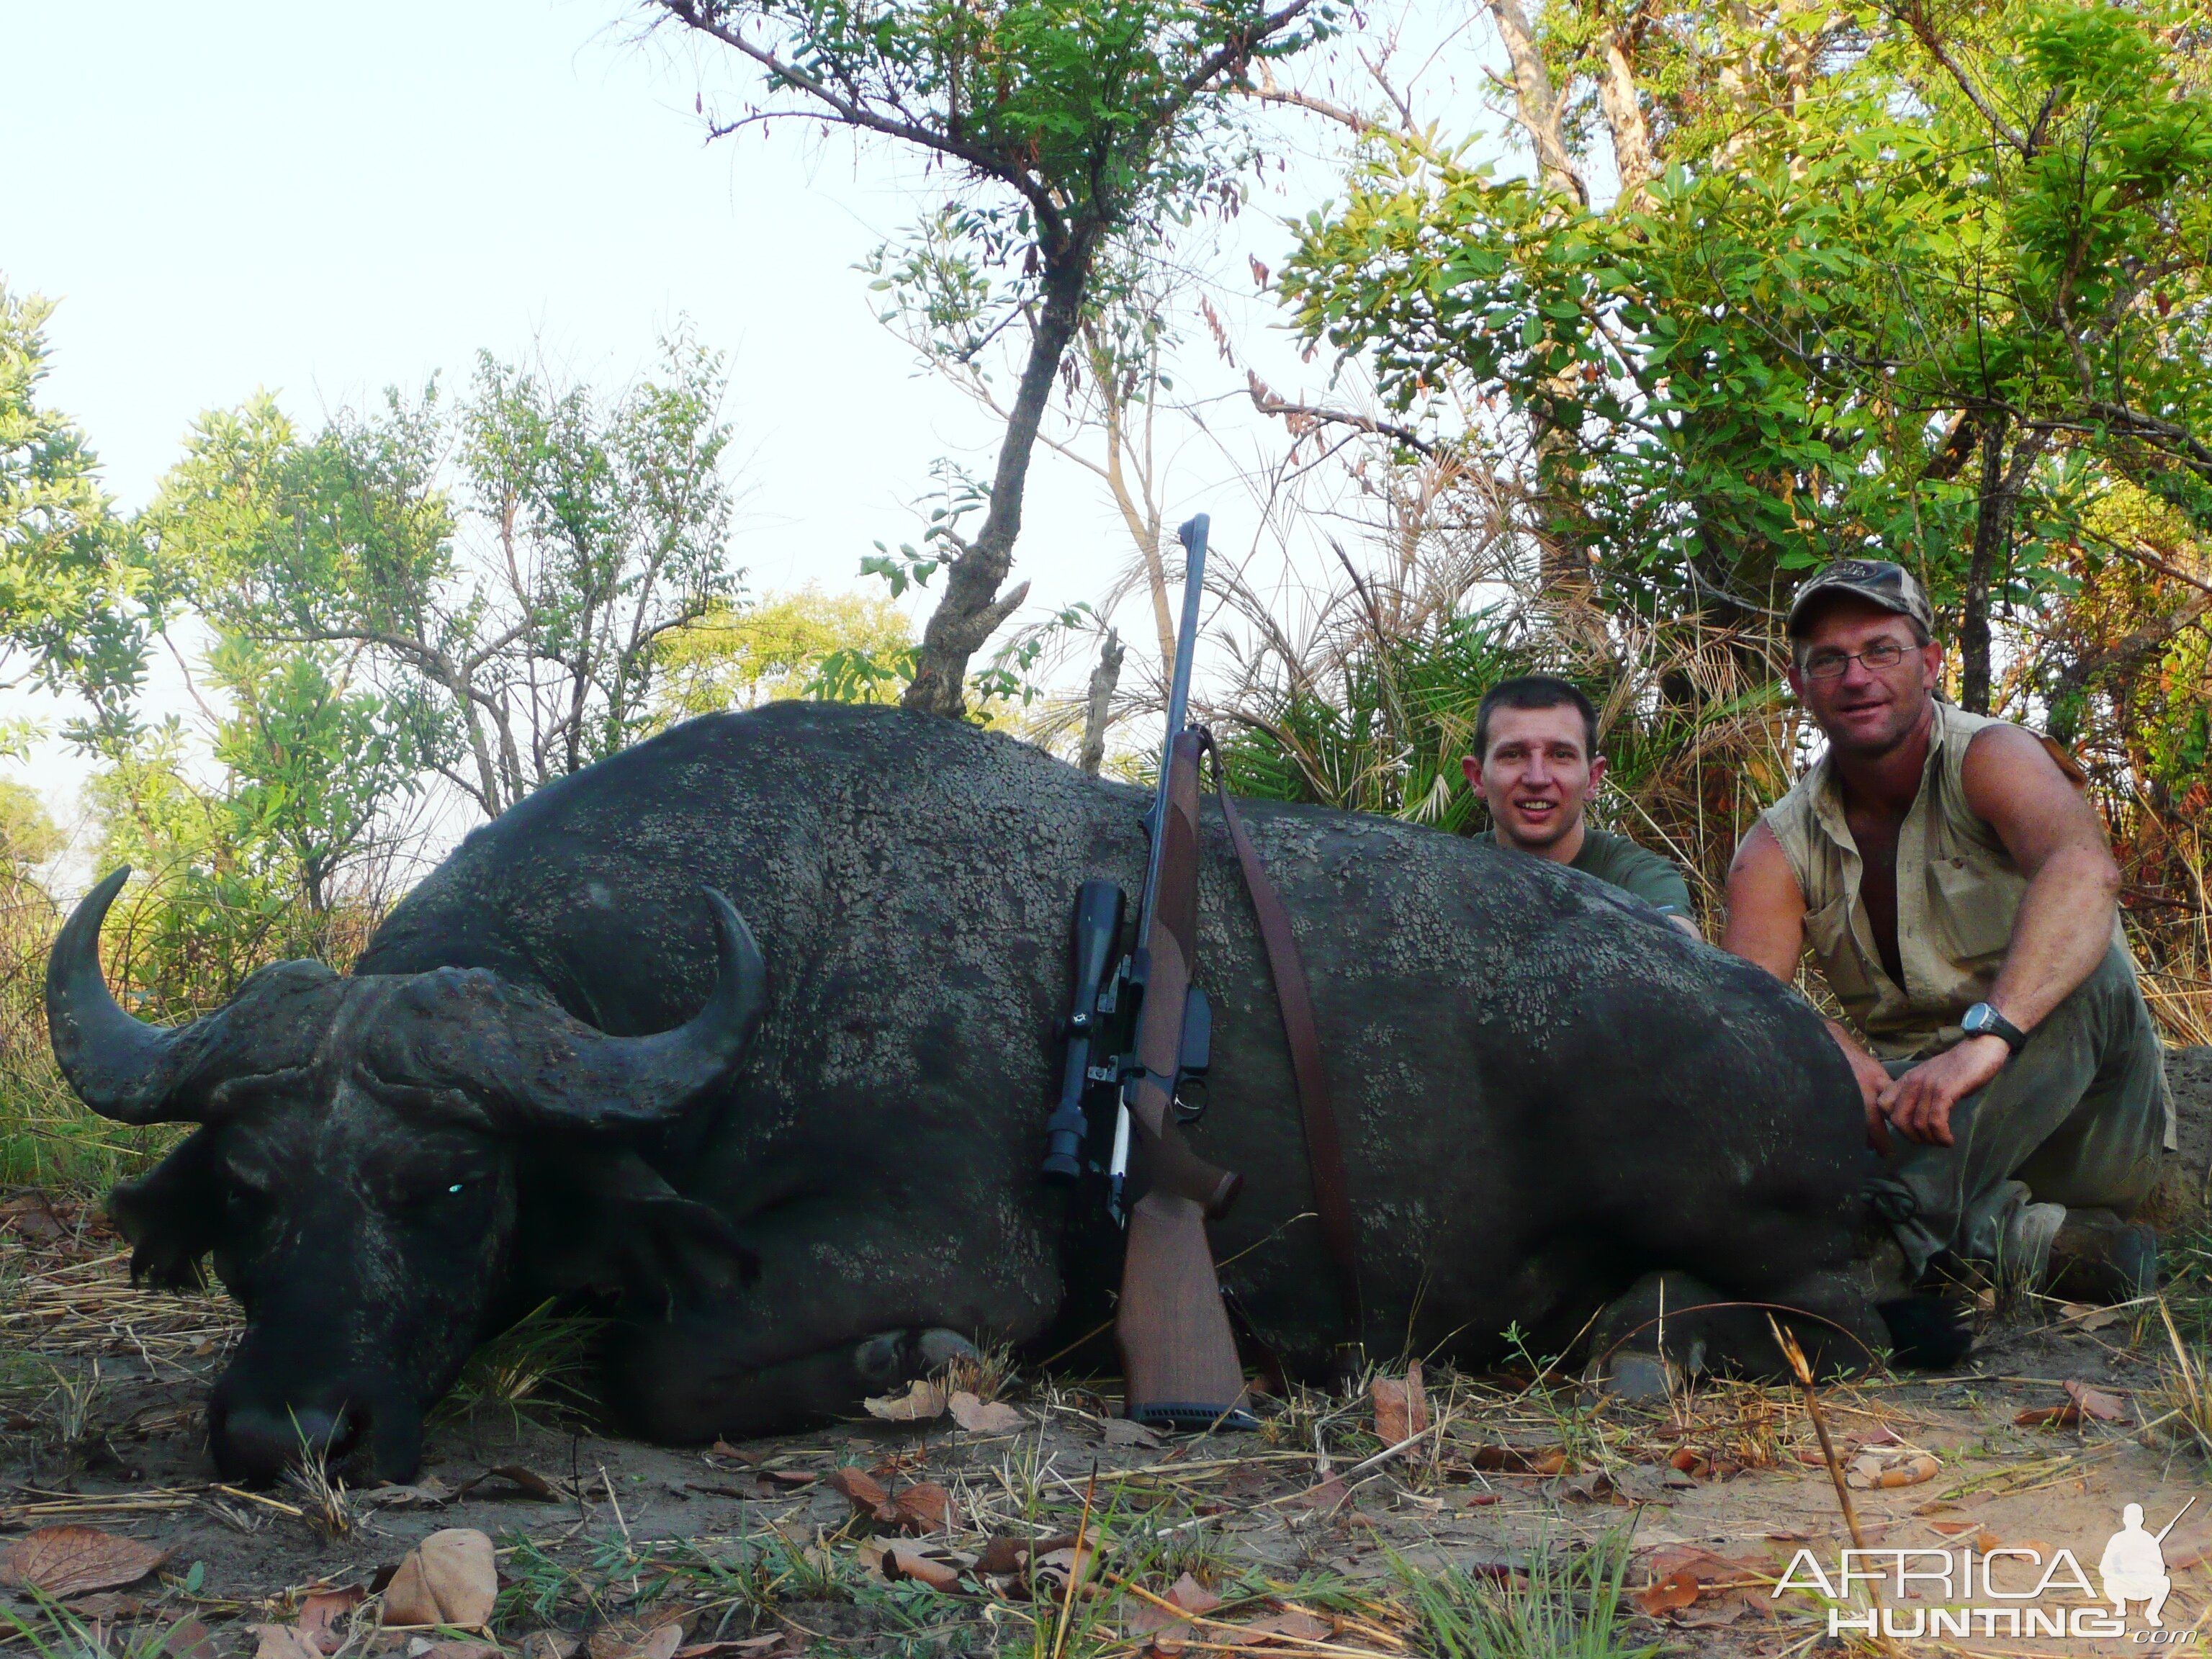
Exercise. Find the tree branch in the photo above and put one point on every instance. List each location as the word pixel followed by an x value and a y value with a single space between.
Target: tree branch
pixel 853 112
pixel 1269 403
pixel 1913 14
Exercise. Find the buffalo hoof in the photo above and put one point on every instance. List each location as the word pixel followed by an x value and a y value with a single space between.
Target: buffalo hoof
pixel 939 1347
pixel 1926 1333
pixel 892 1358
pixel 1640 1379
pixel 254 1446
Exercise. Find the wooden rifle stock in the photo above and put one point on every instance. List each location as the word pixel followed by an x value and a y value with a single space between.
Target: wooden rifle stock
pixel 1178 1357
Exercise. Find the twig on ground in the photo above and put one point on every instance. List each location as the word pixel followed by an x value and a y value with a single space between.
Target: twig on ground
pixel 1075 1567
pixel 1803 1372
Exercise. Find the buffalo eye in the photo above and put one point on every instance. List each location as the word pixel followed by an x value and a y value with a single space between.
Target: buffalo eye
pixel 443 1194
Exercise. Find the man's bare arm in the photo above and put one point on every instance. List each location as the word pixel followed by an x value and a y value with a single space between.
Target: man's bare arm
pixel 2063 930
pixel 1766 911
pixel 1767 925
pixel 2065 921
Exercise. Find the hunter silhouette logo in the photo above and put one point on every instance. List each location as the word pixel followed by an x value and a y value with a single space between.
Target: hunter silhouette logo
pixel 2133 1565
pixel 2014 1590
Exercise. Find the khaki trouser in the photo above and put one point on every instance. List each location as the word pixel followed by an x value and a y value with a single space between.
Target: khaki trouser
pixel 2077 1117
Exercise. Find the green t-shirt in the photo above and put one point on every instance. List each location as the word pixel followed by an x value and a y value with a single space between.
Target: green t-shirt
pixel 1616 860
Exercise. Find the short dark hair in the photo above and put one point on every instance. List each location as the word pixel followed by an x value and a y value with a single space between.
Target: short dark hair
pixel 1532 691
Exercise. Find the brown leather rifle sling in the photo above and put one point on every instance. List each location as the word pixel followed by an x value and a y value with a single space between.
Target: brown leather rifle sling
pixel 1324 1147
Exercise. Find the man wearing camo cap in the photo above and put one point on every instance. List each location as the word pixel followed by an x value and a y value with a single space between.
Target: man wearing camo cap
pixel 1957 892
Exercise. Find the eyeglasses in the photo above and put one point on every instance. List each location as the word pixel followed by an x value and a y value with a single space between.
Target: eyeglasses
pixel 1834 665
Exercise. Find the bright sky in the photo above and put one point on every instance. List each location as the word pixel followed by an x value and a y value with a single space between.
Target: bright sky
pixel 323 201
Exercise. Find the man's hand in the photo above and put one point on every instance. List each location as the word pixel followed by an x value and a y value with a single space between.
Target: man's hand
pixel 1919 1103
pixel 1874 1083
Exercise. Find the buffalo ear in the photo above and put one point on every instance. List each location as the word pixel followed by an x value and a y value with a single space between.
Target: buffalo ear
pixel 172 1216
pixel 608 1223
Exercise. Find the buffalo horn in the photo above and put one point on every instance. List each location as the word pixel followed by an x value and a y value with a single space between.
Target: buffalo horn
pixel 121 1068
pixel 535 1064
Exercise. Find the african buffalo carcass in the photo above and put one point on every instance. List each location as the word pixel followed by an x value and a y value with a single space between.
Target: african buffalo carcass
pixel 807 1168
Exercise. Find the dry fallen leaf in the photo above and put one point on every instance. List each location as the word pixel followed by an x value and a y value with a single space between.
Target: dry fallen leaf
pixel 1881 1471
pixel 1325 1496
pixel 451 1577
pixel 739 1647
pixel 1055 1568
pixel 190 1640
pixel 2082 1316
pixel 2096 1403
pixel 422 1648
pixel 550 1644
pixel 627 1638
pixel 427 1493
pixel 1726 1611
pixel 528 1481
pixel 923 1507
pixel 1192 1596
pixel 1702 1564
pixel 282 1642
pixel 865 1492
pixel 905 1560
pixel 978 1416
pixel 921 1403
pixel 323 1616
pixel 1300 1626
pixel 1675 1591
pixel 65 1561
pixel 1401 1406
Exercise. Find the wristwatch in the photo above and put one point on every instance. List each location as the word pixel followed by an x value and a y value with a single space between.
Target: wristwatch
pixel 1982 1020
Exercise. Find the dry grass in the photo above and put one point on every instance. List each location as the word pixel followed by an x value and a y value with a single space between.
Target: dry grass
pixel 90 1307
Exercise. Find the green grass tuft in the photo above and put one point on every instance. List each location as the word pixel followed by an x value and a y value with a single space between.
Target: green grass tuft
pixel 538 1371
pixel 1570 1606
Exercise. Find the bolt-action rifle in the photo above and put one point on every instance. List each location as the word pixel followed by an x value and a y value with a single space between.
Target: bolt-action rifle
pixel 1140 1027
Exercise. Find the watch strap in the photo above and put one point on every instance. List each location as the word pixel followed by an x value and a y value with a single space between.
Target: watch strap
pixel 1993 1024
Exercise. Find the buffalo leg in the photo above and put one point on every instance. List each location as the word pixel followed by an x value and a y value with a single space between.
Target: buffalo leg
pixel 678 1385
pixel 1658 1331
pixel 844 1307
pixel 1829 1312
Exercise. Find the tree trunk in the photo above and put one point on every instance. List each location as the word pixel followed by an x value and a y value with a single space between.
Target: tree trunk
pixel 2002 485
pixel 1536 102
pixel 1104 679
pixel 1624 118
pixel 972 608
pixel 1991 523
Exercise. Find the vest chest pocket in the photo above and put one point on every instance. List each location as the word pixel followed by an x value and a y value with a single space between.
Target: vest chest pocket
pixel 1828 930
pixel 1973 909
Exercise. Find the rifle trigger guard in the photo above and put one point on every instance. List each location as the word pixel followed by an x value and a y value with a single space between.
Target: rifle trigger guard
pixel 1187 1108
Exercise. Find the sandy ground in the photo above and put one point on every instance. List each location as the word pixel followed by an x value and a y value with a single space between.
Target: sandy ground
pixel 101 1389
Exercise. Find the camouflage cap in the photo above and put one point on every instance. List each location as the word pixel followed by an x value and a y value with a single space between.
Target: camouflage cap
pixel 1877 581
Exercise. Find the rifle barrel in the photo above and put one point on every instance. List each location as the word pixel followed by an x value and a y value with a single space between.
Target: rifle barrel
pixel 1191 535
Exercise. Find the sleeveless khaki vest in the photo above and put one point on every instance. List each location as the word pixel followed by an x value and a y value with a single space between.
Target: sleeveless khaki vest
pixel 1958 892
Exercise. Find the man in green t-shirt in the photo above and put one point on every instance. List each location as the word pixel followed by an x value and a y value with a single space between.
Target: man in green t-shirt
pixel 1535 762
